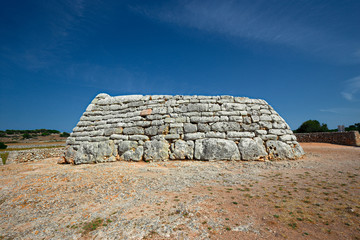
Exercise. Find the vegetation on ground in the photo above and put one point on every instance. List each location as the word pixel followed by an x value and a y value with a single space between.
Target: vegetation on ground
pixel 4 157
pixel 3 145
pixel 310 126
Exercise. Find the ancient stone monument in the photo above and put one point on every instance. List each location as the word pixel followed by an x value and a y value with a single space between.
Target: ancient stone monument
pixel 163 127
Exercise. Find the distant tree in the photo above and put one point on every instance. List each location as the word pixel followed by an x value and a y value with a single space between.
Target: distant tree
pixel 45 134
pixel 26 136
pixel 355 127
pixel 2 133
pixel 3 145
pixel 312 126
pixel 64 134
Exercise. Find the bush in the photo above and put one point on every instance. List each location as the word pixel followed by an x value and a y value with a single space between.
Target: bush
pixel 3 145
pixel 64 134
pixel 26 136
pixel 45 134
pixel 312 126
pixel 355 127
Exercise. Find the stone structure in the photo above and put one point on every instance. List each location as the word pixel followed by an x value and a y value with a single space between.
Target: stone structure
pixel 162 127
pixel 351 138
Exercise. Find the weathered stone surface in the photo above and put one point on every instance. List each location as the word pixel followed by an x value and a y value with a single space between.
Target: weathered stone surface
pixel 279 150
pixel 182 150
pixel 190 128
pixel 252 149
pixel 120 128
pixel 146 112
pixel 156 150
pixel 216 149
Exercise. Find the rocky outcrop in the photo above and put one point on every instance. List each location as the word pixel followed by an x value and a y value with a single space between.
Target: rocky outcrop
pixel 162 127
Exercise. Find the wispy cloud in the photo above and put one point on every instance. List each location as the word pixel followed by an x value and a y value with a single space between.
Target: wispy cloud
pixel 291 23
pixel 352 88
pixel 341 111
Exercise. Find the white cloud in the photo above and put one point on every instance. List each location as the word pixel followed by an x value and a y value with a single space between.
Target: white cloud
pixel 291 23
pixel 352 88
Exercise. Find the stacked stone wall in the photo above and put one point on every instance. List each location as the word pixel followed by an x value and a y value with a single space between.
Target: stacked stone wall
pixel 162 127
pixel 343 138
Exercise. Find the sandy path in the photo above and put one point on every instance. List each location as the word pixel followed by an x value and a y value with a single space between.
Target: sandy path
pixel 317 197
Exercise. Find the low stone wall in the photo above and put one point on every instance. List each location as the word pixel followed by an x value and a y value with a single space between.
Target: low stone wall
pixel 343 138
pixel 34 155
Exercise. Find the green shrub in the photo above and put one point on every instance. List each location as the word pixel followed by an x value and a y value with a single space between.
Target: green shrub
pixel 312 126
pixel 26 136
pixel 45 134
pixel 3 145
pixel 65 134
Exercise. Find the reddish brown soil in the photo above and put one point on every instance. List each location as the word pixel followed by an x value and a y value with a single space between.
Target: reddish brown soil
pixel 317 197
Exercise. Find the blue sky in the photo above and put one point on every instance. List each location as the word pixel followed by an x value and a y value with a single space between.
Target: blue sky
pixel 302 57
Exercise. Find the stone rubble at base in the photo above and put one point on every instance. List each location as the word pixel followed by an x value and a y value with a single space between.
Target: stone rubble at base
pixel 163 127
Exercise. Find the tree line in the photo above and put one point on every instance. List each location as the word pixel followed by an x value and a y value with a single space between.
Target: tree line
pixel 315 126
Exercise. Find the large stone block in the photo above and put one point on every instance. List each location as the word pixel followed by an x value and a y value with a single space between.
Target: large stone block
pixel 216 149
pixel 252 149
pixel 182 150
pixel 156 150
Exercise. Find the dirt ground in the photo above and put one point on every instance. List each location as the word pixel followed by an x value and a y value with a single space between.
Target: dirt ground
pixel 317 197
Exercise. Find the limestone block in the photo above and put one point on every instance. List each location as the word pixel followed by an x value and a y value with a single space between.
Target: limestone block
pixel 252 149
pixel 279 125
pixel 156 150
pixel 214 107
pixel 266 125
pixel 176 125
pixel 265 111
pixel 133 130
pixel 269 137
pixel 169 120
pixel 143 123
pixel 277 131
pixel 172 136
pixel 138 137
pixel 119 137
pixel 182 150
pixel 250 127
pixel 163 129
pixel 203 127
pixel 146 112
pixel 198 107
pixel 297 149
pixel 155 117
pixel 216 149
pixel 160 110
pixel 235 119
pixel 128 98
pixel 279 150
pixel 255 107
pixel 181 119
pixel 204 119
pixel 260 132
pixel 238 135
pixel 225 126
pixel 190 128
pixel 157 122
pixel 285 138
pixel 194 136
pixel 179 130
pixel 215 135
pixel 233 107
pixel 255 118
pixel 265 117
pixel 151 131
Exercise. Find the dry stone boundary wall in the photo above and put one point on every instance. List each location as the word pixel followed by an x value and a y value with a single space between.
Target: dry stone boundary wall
pixel 162 127
pixel 344 138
